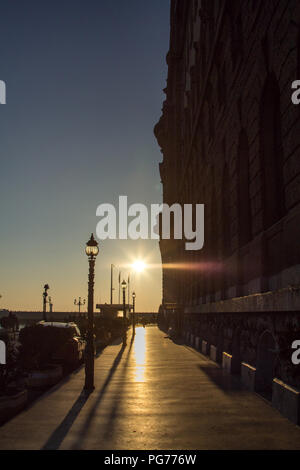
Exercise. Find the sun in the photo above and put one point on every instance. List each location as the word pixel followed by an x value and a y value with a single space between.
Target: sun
pixel 139 266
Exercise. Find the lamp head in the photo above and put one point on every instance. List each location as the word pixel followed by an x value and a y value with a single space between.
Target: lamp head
pixel 124 285
pixel 92 248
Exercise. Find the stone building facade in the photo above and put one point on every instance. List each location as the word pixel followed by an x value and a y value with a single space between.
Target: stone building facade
pixel 230 138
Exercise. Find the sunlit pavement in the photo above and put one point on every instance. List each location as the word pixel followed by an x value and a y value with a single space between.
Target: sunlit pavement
pixel 154 394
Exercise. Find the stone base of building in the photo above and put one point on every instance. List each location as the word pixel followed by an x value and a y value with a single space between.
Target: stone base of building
pixel 204 348
pixel 213 353
pixel 287 400
pixel 226 362
pixel 277 300
pixel 197 343
pixel 248 376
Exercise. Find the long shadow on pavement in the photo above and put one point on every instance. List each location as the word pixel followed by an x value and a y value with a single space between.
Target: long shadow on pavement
pixel 113 412
pixel 62 430
pixel 225 381
pixel 60 433
pixel 86 425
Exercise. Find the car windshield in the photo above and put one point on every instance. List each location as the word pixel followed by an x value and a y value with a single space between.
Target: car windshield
pixel 64 333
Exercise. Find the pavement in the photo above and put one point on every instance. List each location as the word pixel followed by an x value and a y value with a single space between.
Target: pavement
pixel 152 394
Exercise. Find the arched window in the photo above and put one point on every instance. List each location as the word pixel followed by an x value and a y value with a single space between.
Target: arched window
pixel 265 364
pixel 244 206
pixel 221 83
pixel 233 10
pixel 271 153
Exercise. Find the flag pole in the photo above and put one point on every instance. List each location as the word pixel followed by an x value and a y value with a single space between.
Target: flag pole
pixel 128 290
pixel 111 283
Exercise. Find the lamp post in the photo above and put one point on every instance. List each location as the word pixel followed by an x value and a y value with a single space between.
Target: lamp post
pixel 91 251
pixel 128 281
pixel 133 312
pixel 119 286
pixel 50 305
pixel 124 285
pixel 112 266
pixel 45 295
pixel 79 303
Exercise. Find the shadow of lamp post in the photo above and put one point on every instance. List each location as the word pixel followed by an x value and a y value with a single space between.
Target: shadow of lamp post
pixel 92 251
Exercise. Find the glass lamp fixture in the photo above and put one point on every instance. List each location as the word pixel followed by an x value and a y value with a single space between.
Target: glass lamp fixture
pixel 92 248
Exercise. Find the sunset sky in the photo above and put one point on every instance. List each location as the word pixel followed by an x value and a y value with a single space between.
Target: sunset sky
pixel 84 91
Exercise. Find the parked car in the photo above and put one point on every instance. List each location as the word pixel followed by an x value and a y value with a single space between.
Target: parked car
pixel 69 344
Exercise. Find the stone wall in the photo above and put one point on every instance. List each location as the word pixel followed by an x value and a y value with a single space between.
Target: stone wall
pixel 230 139
pixel 262 340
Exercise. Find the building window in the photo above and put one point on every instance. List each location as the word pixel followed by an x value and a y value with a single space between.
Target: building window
pixel 244 205
pixel 225 247
pixel 222 86
pixel 225 213
pixel 271 153
pixel 213 240
pixel 195 9
pixel 211 122
pixel 236 29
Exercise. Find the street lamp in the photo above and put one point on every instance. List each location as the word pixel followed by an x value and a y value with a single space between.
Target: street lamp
pixel 45 295
pixel 112 266
pixel 91 251
pixel 50 305
pixel 123 286
pixel 133 312
pixel 79 303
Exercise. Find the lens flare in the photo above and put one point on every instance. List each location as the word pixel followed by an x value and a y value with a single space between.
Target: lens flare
pixel 139 266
